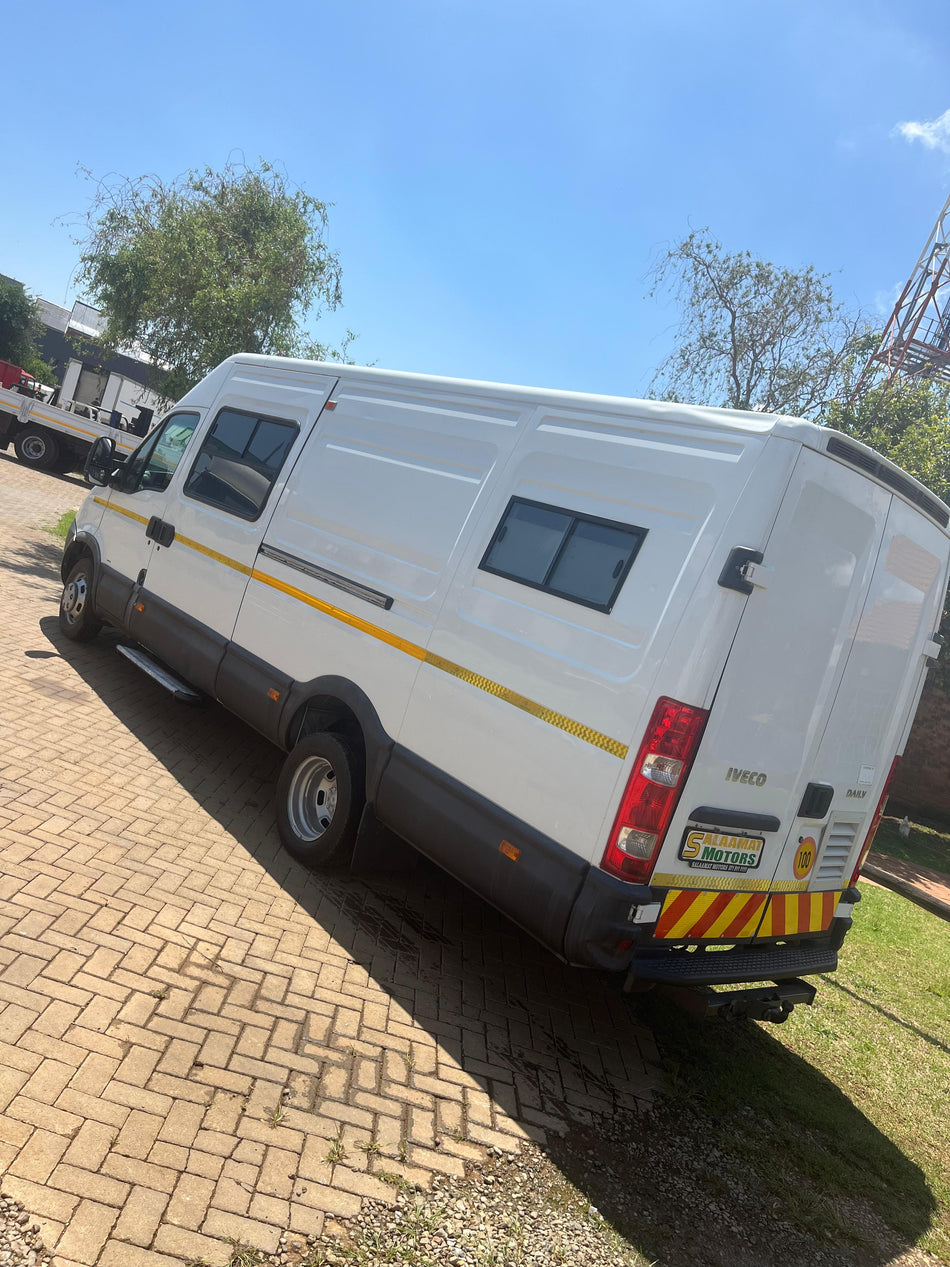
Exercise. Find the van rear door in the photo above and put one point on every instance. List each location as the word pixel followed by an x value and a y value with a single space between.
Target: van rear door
pixel 815 691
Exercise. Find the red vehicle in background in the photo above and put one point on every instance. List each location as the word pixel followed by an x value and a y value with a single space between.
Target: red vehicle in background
pixel 13 378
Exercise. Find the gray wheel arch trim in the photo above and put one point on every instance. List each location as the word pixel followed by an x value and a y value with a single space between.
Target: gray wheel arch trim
pixel 82 543
pixel 378 744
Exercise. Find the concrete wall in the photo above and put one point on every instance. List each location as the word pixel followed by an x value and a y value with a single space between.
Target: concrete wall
pixel 923 778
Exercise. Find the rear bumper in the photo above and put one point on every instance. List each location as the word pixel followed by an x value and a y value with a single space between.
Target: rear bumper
pixel 603 932
pixel 729 967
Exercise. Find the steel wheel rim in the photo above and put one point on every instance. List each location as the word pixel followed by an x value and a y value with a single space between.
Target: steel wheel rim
pixel 34 448
pixel 312 798
pixel 74 599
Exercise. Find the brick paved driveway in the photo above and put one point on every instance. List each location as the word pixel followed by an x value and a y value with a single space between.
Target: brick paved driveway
pixel 192 1023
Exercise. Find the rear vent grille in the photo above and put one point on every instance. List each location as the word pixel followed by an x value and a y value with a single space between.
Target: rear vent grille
pixel 893 479
pixel 839 846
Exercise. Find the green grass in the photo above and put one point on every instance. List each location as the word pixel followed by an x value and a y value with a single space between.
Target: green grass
pixel 928 844
pixel 61 526
pixel 841 1114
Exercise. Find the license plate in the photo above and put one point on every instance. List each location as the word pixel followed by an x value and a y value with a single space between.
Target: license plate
pixel 718 851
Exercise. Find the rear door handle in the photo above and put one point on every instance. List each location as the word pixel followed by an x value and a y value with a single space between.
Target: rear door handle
pixel 712 816
pixel 159 531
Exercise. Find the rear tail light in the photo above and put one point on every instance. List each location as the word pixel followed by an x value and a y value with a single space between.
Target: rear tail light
pixel 659 773
pixel 875 822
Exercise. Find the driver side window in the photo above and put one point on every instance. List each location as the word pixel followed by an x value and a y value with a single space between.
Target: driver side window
pixel 153 465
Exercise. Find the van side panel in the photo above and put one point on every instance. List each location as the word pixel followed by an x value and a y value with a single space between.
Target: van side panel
pixel 582 679
pixel 355 561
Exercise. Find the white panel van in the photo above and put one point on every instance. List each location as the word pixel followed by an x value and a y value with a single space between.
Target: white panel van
pixel 637 673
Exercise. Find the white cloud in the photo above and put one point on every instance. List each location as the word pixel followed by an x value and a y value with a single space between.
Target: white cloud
pixel 934 135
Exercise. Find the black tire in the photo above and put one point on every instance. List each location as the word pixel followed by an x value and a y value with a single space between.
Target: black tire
pixel 36 447
pixel 320 800
pixel 77 615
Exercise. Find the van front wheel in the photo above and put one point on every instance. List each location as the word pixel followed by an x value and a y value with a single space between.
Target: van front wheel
pixel 77 615
pixel 320 800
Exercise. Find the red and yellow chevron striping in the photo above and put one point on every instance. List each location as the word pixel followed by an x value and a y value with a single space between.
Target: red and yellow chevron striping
pixel 691 913
pixel 798 913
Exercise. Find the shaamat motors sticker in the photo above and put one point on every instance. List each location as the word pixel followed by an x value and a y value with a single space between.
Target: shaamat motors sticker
pixel 716 851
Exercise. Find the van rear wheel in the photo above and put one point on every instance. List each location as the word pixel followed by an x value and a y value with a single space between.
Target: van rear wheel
pixel 320 800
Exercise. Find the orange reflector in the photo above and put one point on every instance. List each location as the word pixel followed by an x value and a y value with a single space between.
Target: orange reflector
pixel 140 607
pixel 509 850
pixel 272 694
pixel 331 404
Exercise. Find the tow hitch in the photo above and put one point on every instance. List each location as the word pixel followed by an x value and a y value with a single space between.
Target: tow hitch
pixel 760 1003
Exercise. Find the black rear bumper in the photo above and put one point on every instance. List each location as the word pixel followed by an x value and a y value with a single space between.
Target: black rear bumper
pixel 603 932
pixel 727 967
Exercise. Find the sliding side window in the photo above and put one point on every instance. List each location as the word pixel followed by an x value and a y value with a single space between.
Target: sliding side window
pixel 577 557
pixel 239 460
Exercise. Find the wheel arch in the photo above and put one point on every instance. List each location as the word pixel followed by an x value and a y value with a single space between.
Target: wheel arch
pixel 340 706
pixel 82 543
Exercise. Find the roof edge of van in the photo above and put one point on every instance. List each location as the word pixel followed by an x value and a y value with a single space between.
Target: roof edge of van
pixel 786 426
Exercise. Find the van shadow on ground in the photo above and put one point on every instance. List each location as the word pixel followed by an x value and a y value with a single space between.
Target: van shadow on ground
pixel 572 1046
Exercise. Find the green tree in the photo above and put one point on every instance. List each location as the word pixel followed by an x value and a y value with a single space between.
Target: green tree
pixel 211 264
pixel 19 324
pixel 907 421
pixel 753 335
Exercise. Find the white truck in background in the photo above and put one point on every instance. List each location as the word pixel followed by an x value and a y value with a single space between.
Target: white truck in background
pixel 53 437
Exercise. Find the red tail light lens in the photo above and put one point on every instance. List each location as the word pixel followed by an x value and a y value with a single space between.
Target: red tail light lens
pixel 659 773
pixel 875 821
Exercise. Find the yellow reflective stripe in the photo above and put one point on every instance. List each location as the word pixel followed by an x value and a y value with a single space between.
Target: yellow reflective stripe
pixel 576 728
pixel 338 613
pixel 749 929
pixel 121 510
pixel 725 883
pixel 734 907
pixel 548 715
pixel 816 914
pixel 213 554
pixel 714 880
pixel 698 907
pixel 71 426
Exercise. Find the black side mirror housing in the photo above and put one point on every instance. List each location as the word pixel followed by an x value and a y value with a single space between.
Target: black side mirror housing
pixel 100 462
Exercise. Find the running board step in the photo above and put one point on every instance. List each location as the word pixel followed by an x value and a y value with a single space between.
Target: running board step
pixel 164 677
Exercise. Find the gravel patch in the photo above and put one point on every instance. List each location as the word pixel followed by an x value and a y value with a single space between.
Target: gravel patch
pixel 20 1243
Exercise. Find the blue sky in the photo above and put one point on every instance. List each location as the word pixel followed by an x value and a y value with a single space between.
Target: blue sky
pixel 504 174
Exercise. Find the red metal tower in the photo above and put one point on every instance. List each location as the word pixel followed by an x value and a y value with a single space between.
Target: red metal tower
pixel 916 339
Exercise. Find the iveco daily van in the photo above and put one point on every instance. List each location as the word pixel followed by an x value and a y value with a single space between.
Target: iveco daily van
pixel 638 673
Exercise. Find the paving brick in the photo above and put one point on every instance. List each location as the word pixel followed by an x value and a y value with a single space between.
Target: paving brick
pixel 11 1080
pixel 259 1235
pixel 132 1171
pixel 190 1201
pixel 277 1173
pixel 232 1195
pixel 172 1156
pixel 86 1234
pixel 320 1196
pixel 93 1074
pixel 37 1159
pixel 83 1183
pixel 120 1254
pixel 44 1115
pixel 140 1215
pixel 189 1244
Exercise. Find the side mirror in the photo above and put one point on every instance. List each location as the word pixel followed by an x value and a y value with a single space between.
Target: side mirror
pixel 100 462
